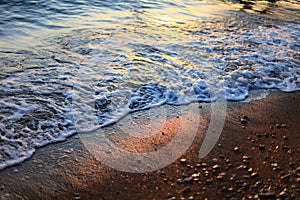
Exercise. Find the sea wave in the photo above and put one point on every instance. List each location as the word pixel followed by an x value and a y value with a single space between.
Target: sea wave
pixel 92 77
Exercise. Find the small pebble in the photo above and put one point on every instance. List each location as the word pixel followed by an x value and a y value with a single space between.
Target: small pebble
pixel 224 189
pixel 195 175
pixel 245 185
pixel 196 180
pixel 209 181
pixel 221 176
pixel 230 165
pixel 243 121
pixel 246 157
pixel 259 135
pixel 267 195
pixel 216 167
pixel 204 164
pixel 236 149
pixel 245 161
pixel 262 147
pixel 257 183
pixel 283 193
pixel 187 180
pixel 254 174
pixel 285 177
pixel 183 160
pixel 214 160
pixel 240 167
pixel 246 176
pixel 285 137
pixel 179 181
pixel 162 173
pixel 298 170
pixel 291 164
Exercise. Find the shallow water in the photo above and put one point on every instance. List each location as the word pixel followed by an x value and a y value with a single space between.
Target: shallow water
pixel 90 63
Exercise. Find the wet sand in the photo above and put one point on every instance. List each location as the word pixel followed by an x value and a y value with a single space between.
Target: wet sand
pixel 256 157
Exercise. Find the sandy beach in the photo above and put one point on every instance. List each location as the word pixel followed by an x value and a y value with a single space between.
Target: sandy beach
pixel 256 157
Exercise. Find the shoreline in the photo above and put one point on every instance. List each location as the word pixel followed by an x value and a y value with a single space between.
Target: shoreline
pixel 258 158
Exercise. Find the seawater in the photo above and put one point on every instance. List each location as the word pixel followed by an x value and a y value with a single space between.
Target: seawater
pixel 127 56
